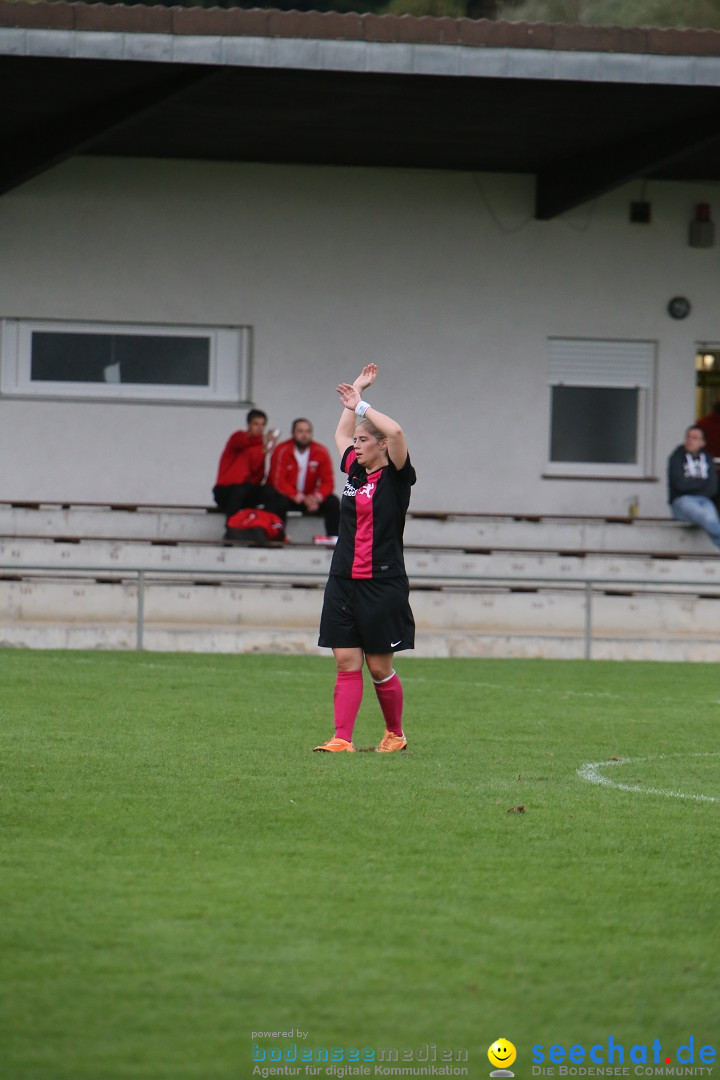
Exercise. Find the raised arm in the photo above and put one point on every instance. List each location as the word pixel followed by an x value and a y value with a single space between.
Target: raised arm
pixel 344 430
pixel 397 446
pixel 366 378
pixel 347 421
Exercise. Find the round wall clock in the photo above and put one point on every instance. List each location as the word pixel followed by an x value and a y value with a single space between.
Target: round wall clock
pixel 679 307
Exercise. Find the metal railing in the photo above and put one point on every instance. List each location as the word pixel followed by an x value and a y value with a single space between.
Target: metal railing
pixel 474 582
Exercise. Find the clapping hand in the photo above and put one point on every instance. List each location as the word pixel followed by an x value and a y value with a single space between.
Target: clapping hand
pixel 349 395
pixel 366 377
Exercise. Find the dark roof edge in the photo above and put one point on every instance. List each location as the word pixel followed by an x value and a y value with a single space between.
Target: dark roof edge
pixel 407 29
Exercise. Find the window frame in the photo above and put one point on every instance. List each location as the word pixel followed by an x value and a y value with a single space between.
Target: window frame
pixel 228 376
pixel 642 468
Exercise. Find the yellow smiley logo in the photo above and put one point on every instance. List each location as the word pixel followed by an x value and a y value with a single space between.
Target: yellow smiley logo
pixel 502 1053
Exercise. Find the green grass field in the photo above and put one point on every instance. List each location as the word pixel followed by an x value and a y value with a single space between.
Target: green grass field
pixel 178 870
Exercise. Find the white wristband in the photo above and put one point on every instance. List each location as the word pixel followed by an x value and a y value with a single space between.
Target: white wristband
pixel 362 407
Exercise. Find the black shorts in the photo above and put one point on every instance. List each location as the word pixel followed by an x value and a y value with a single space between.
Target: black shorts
pixel 367 614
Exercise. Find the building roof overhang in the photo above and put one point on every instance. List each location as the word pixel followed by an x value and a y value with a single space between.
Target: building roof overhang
pixel 583 109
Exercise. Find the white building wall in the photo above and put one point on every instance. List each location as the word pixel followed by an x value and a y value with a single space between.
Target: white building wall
pixel 442 278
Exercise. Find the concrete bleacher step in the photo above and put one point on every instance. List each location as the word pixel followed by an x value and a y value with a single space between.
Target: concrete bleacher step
pixel 300 564
pixel 472 532
pixel 98 556
pixel 75 520
pixel 481 585
pixel 555 535
pixel 149 523
pixel 302 642
pixel 60 613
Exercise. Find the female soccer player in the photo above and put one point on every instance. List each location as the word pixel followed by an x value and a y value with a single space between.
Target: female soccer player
pixel 366 612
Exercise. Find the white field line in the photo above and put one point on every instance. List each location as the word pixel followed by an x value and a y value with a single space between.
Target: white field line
pixel 591 772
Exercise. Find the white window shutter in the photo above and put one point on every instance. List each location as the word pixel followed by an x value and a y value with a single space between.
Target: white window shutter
pixel 589 362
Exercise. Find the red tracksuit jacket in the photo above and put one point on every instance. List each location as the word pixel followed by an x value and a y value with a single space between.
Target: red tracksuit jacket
pixel 242 460
pixel 319 479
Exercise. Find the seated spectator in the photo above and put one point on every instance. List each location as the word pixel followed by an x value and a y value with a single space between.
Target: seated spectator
pixel 302 478
pixel 242 466
pixel 693 483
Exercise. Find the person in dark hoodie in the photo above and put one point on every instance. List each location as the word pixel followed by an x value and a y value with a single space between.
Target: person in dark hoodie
pixel 693 484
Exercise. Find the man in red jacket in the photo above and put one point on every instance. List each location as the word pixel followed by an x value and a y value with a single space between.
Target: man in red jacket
pixel 242 466
pixel 302 478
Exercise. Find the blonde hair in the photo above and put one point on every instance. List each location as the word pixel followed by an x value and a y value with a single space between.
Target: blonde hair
pixel 375 432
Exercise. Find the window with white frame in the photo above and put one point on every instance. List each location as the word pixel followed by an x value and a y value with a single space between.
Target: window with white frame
pixel 117 361
pixel 601 407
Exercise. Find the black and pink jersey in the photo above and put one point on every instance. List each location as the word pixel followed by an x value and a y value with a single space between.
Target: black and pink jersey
pixel 372 520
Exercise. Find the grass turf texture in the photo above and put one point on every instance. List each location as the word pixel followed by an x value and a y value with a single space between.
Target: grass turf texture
pixel 178 869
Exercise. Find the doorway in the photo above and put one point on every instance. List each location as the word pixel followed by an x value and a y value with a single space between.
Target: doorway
pixel 707 378
pixel 707 396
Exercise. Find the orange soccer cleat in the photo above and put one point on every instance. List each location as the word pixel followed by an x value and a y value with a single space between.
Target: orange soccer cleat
pixel 391 742
pixel 336 746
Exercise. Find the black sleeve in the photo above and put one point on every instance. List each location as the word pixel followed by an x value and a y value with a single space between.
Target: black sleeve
pixel 406 473
pixel 676 474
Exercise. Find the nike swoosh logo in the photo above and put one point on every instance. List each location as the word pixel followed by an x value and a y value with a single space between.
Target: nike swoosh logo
pixel 394 643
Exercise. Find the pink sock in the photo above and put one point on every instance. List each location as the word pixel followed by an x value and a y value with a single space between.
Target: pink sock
pixel 390 696
pixel 346 699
